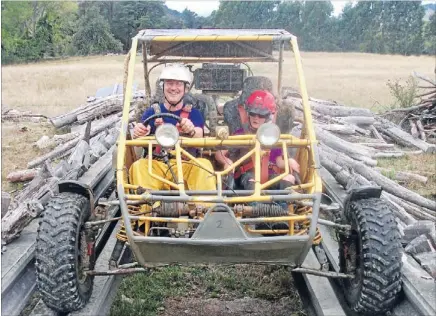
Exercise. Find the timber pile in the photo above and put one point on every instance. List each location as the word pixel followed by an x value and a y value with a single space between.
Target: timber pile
pixel 351 140
pixel 94 131
pixel 419 119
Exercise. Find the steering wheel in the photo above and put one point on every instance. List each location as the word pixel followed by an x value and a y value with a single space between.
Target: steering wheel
pixel 153 117
pixel 161 115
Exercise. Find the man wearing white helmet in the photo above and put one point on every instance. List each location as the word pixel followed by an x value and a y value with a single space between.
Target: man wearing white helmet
pixel 175 81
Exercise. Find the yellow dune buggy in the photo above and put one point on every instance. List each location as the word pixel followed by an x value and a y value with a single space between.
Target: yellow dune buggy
pixel 179 229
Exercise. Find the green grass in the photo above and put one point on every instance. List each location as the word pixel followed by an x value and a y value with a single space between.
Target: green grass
pixel 423 164
pixel 147 292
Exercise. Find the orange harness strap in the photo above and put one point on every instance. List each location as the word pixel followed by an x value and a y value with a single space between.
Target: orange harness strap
pixel 264 164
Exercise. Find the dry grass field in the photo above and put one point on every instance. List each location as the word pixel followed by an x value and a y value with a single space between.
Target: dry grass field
pixel 353 79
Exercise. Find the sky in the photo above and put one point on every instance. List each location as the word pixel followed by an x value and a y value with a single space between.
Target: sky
pixel 205 7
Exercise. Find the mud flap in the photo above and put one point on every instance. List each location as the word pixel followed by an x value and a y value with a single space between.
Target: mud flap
pixel 361 193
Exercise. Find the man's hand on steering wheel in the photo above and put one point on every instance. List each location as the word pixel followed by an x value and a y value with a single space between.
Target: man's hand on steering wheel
pixel 140 130
pixel 186 126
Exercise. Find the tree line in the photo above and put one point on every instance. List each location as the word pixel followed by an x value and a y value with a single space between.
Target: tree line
pixel 35 30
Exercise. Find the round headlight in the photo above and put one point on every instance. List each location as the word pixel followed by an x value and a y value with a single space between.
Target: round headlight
pixel 268 134
pixel 167 135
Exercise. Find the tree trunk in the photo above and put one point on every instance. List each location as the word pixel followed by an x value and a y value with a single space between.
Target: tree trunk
pixel 358 120
pixel 22 175
pixel 108 107
pixel 341 145
pixel 340 129
pixel 331 110
pixel 402 137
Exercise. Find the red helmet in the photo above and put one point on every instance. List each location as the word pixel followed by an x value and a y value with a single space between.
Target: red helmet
pixel 261 102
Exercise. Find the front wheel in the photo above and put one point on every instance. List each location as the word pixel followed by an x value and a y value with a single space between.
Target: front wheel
pixel 61 253
pixel 372 252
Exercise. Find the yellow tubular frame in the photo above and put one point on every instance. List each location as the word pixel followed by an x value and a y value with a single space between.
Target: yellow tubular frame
pixel 313 181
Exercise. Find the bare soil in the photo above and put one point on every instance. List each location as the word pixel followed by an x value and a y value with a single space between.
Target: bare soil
pixel 236 307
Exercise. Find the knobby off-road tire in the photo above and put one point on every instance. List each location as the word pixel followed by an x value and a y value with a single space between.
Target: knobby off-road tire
pixel 58 261
pixel 375 252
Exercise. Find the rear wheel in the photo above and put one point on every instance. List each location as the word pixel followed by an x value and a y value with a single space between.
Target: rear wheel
pixel 61 253
pixel 372 252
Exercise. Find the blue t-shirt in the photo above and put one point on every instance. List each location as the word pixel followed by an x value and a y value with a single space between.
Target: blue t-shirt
pixel 195 117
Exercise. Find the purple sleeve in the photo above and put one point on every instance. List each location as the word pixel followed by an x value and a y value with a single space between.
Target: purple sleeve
pixel 274 153
pixel 238 132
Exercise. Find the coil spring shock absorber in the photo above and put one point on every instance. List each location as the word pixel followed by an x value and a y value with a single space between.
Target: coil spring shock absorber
pixel 121 234
pixel 307 210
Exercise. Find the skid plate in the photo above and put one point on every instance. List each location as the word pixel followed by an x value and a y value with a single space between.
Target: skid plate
pixel 220 238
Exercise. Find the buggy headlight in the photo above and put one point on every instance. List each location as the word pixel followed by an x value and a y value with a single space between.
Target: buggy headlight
pixel 268 134
pixel 167 135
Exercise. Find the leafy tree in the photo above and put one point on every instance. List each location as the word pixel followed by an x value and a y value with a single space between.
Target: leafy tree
pixel 317 25
pixel 190 19
pixel 93 35
pixel 33 30
pixel 430 36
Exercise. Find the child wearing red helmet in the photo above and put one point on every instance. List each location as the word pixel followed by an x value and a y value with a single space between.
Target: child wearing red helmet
pixel 260 108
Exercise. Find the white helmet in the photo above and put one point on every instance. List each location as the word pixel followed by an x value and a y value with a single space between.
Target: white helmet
pixel 176 72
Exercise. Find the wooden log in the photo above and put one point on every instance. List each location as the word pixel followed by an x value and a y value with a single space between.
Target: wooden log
pixel 16 219
pixel 80 156
pixel 71 117
pixel 70 144
pixel 44 142
pixel 387 184
pixel 413 129
pixel 22 175
pixel 403 176
pixel 378 145
pixel 6 200
pixel 357 120
pixel 341 145
pixel 63 138
pixel 67 118
pixel 377 134
pixel 32 187
pixel 421 130
pixel 110 106
pixel 402 137
pixel 80 129
pixel 329 110
pixel 408 109
pixel 414 210
pixel 340 129
pixel 399 211
pixel 340 110
pixel 326 102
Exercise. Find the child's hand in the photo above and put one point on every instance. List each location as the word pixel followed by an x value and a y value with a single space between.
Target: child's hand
pixel 294 165
pixel 228 163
